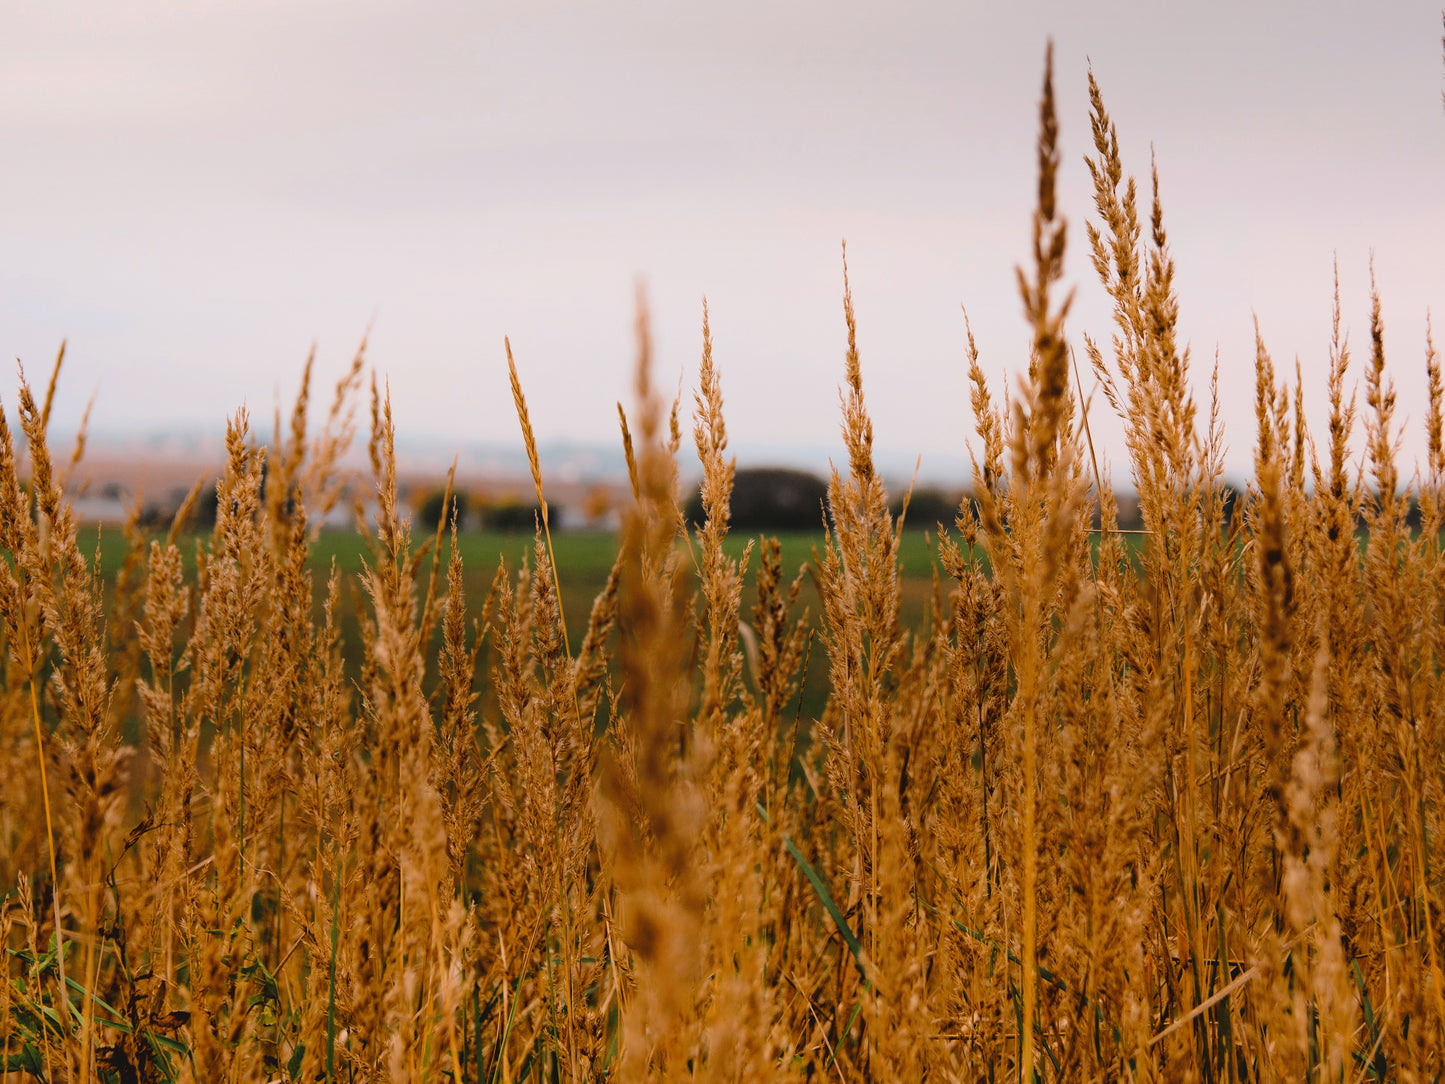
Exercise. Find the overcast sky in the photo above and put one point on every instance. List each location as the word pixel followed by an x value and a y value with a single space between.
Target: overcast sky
pixel 193 193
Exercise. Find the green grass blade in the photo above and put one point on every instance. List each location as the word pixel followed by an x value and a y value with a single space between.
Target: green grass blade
pixel 826 899
pixel 331 981
pixel 853 1019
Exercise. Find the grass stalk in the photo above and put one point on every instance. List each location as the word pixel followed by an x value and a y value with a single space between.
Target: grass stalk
pixel 32 662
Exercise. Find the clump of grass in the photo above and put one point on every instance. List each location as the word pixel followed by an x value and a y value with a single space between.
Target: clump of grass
pixel 1157 809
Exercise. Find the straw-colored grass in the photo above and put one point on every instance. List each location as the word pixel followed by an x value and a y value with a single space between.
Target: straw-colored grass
pixel 1171 813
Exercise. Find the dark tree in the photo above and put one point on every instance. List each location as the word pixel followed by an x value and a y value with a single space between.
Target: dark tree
pixel 514 517
pixel 429 512
pixel 928 508
pixel 771 499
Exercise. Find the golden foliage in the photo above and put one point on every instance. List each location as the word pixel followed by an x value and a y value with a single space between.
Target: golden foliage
pixel 1165 811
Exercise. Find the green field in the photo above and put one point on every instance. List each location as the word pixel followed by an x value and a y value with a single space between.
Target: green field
pixel 584 560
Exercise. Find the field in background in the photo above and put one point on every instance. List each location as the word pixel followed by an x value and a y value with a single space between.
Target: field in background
pixel 584 560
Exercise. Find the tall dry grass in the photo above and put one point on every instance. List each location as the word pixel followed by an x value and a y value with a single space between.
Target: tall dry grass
pixel 1160 812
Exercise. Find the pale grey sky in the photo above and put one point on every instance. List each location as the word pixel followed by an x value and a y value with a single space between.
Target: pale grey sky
pixel 194 192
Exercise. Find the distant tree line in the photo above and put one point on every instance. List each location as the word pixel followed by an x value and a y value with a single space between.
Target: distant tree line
pixel 764 499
